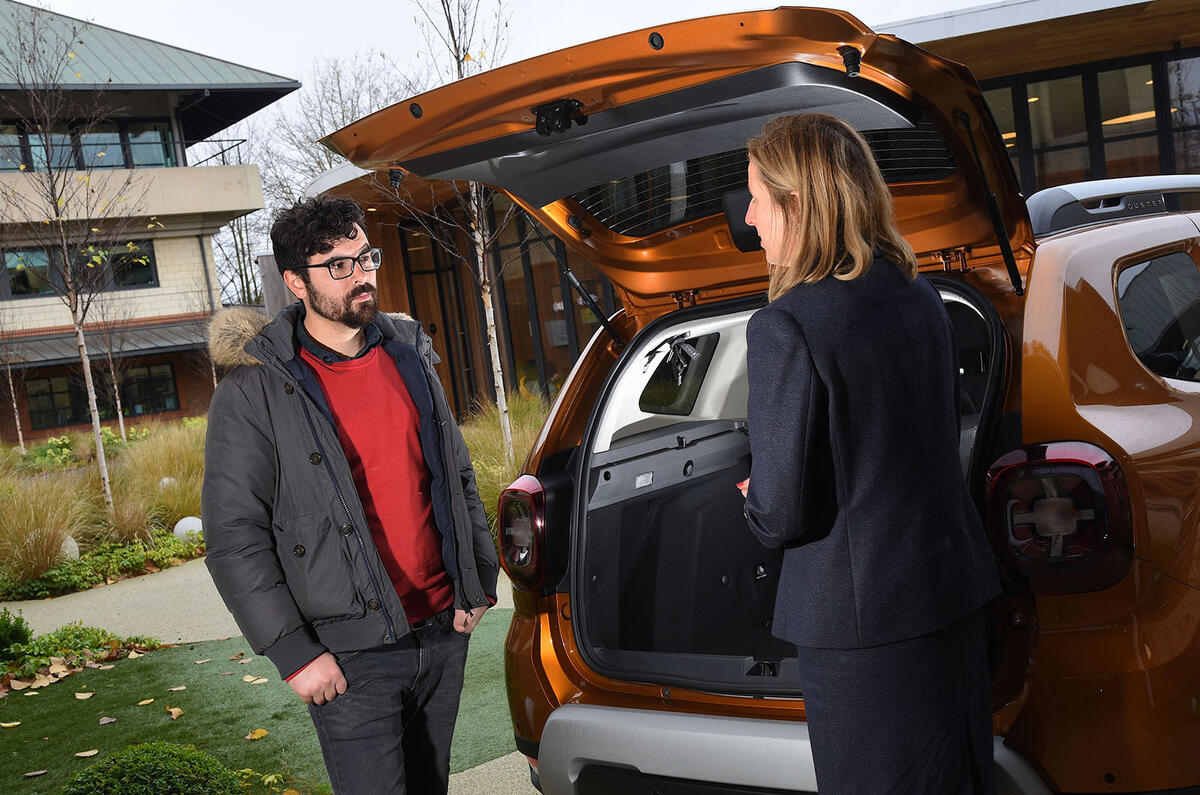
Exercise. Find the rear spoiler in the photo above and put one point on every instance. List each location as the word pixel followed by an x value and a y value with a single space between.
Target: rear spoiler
pixel 1082 203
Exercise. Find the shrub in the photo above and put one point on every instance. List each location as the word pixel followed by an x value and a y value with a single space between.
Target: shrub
pixel 173 451
pixel 14 629
pixel 39 513
pixel 54 453
pixel 485 442
pixel 71 641
pixel 156 769
pixel 104 560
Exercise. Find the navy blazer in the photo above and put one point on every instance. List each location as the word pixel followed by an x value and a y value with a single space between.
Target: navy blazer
pixel 855 469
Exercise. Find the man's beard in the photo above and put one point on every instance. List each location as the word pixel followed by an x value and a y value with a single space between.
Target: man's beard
pixel 346 311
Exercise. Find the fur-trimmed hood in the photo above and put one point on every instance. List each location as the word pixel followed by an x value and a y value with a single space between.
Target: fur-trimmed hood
pixel 231 330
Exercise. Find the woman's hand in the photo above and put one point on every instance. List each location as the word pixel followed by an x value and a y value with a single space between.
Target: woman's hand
pixel 744 486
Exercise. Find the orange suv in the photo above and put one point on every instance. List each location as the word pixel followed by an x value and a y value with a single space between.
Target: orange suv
pixel 640 657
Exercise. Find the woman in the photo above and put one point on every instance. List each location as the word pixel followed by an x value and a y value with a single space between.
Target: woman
pixel 854 438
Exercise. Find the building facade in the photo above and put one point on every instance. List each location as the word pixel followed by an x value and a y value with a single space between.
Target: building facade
pixel 159 277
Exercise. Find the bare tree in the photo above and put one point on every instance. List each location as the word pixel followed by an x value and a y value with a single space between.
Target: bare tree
pixel 9 357
pixel 70 212
pixel 111 316
pixel 459 42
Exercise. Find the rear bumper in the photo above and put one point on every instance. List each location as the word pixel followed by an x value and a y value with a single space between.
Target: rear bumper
pixel 586 746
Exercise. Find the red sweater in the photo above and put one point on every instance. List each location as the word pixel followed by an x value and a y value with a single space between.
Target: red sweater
pixel 378 427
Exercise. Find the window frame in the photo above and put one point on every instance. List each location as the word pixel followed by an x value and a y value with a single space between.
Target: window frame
pixel 125 143
pixel 1186 248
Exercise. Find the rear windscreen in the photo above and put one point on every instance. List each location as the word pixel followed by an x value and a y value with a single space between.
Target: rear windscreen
pixel 665 196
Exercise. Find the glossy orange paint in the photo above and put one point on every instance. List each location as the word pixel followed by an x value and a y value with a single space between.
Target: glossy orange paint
pixel 700 256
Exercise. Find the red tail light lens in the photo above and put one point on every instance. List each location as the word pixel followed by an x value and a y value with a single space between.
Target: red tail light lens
pixel 1060 518
pixel 523 532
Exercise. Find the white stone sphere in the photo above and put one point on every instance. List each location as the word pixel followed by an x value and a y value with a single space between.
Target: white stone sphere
pixel 188 524
pixel 166 483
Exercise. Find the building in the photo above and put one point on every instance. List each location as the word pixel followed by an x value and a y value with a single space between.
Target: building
pixel 1080 89
pixel 162 287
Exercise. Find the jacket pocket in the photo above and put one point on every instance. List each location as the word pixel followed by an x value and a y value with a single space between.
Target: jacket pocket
pixel 318 568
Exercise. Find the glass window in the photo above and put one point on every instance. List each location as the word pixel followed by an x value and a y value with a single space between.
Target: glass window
pixel 1160 304
pixel 11 154
pixel 1184 79
pixel 999 100
pixel 53 147
pixel 1187 151
pixel 29 272
pixel 1056 113
pixel 1127 101
pixel 132 264
pixel 555 312
pixel 1061 166
pixel 52 403
pixel 676 382
pixel 101 147
pixel 149 390
pixel 1132 157
pixel 150 144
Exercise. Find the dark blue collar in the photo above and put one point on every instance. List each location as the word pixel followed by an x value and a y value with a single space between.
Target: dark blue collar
pixel 373 337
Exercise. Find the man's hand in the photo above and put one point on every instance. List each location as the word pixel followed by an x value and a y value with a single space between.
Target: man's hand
pixel 465 620
pixel 320 681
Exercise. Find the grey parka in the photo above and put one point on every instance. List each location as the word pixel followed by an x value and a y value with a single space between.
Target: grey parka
pixel 288 544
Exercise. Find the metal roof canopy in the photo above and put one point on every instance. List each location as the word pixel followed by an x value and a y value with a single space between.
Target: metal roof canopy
pixel 111 60
pixel 57 349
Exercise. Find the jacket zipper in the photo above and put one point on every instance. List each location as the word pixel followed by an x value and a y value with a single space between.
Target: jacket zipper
pixel 350 518
pixel 429 373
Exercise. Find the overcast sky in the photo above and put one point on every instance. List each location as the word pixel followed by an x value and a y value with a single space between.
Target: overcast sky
pixel 283 36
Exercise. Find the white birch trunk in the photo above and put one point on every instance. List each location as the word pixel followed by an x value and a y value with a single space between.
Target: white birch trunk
pixel 120 411
pixel 485 290
pixel 16 411
pixel 101 460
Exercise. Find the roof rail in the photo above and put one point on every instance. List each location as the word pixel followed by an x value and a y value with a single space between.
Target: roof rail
pixel 1082 203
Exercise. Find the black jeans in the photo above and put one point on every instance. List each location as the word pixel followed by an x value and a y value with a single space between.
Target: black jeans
pixel 390 731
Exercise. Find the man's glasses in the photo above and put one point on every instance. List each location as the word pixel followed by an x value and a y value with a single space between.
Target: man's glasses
pixel 343 267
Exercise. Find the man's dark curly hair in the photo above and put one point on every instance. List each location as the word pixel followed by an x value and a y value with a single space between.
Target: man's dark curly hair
pixel 312 227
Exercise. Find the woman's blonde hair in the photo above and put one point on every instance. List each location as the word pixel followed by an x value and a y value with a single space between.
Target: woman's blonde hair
pixel 837 209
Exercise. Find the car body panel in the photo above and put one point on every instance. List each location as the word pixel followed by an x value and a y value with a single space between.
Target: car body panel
pixel 485 122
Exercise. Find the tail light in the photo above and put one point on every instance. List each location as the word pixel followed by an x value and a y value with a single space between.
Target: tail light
pixel 1060 518
pixel 523 532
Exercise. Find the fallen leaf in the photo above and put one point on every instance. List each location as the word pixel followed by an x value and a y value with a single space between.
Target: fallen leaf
pixel 33 693
pixel 145 702
pixel 238 656
pixel 249 678
pixel 86 754
pixel 177 689
pixel 90 664
pixel 175 712
pixel 225 673
pixel 42 681
pixel 17 684
pixel 58 668
pixel 82 696
pixel 33 773
pixel 257 734
pixel 245 661
pixel 133 655
pixel 290 792
pixel 201 662
pixel 106 721
pixel 57 660
pixel 108 667
pixel 260 680
pixel 12 725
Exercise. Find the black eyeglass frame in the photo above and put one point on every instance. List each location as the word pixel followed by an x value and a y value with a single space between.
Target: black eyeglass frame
pixel 369 260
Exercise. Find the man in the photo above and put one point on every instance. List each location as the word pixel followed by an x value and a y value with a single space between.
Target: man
pixel 343 525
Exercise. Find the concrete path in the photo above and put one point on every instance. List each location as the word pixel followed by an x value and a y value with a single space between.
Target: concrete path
pixel 181 605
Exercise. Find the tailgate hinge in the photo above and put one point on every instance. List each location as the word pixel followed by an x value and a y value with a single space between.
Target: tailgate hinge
pixel 954 259
pixel 686 298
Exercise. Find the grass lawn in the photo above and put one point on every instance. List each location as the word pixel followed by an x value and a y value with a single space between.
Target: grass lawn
pixel 218 712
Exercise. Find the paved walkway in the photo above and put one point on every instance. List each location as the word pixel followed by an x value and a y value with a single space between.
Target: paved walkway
pixel 181 605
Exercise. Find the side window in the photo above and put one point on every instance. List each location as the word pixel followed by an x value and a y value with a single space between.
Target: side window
pixel 675 383
pixel 1160 304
